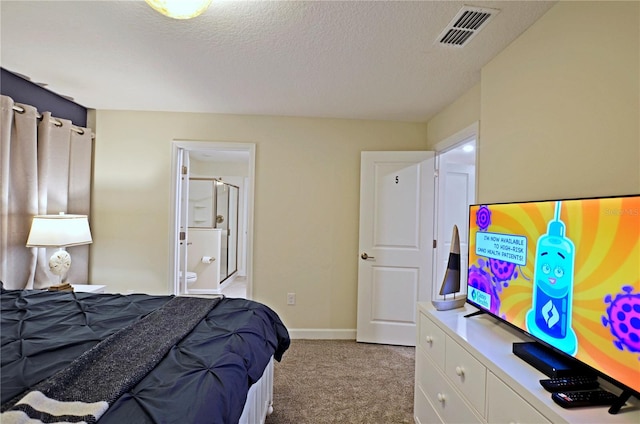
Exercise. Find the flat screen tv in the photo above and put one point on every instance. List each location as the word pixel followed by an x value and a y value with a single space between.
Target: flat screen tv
pixel 567 273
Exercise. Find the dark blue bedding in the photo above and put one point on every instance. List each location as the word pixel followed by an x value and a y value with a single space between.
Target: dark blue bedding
pixel 204 378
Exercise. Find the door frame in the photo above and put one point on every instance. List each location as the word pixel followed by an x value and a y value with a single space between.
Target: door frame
pixel 210 147
pixel 461 137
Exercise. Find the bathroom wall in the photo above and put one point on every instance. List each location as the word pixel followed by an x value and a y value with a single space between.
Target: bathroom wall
pixel 204 242
pixel 200 209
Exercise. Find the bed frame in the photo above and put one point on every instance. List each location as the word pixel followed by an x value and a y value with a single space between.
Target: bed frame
pixel 259 402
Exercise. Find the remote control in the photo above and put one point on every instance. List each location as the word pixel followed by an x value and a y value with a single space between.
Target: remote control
pixel 584 398
pixel 570 384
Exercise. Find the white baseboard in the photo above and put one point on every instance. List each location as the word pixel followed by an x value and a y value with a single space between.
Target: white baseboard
pixel 322 333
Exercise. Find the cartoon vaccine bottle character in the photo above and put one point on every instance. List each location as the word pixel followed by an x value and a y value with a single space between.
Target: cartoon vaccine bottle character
pixel 550 316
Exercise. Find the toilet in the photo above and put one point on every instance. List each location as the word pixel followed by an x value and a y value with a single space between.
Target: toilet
pixel 192 277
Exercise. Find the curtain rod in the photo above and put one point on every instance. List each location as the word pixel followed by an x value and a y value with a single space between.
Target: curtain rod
pixel 55 121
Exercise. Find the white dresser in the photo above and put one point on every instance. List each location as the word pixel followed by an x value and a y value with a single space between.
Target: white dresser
pixel 466 373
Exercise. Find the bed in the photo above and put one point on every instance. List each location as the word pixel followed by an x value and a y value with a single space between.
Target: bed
pixel 136 358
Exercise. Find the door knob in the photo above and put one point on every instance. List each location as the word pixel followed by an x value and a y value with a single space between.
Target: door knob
pixel 365 256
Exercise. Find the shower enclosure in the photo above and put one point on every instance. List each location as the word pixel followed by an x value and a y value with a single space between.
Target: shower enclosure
pixel 213 204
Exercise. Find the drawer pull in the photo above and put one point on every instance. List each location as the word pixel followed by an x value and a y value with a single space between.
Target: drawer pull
pixel 441 397
pixel 429 339
pixel 459 371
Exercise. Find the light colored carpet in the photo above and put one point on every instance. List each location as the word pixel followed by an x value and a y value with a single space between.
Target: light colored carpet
pixel 341 381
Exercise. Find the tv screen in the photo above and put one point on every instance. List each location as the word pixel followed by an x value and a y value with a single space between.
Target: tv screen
pixel 566 272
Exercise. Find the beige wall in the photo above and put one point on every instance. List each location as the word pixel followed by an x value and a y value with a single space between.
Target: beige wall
pixel 306 204
pixel 560 107
pixel 455 117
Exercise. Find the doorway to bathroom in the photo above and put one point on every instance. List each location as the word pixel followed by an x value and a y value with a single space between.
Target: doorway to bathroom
pixel 212 219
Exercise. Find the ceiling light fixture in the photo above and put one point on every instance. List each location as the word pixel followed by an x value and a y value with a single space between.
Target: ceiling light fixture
pixel 179 9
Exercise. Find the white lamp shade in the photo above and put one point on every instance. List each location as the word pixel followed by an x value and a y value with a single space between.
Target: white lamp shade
pixel 59 231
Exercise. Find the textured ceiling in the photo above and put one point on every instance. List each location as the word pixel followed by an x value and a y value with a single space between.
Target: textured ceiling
pixel 344 59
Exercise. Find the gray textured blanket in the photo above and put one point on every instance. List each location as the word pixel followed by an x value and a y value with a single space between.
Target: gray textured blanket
pixel 83 391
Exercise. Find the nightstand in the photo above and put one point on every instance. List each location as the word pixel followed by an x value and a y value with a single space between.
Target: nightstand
pixel 89 288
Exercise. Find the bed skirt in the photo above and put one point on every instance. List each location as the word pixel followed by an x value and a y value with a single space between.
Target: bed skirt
pixel 259 399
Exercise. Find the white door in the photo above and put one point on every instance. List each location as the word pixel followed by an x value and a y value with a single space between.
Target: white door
pixel 456 191
pixel 182 194
pixel 396 244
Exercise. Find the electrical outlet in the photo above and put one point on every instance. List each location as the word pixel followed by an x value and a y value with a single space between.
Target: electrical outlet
pixel 291 298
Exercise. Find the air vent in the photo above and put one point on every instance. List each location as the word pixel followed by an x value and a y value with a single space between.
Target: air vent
pixel 465 25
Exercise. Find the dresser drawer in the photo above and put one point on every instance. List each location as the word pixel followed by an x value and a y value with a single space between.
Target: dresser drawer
pixel 467 374
pixel 431 339
pixel 443 397
pixel 506 406
pixel 424 413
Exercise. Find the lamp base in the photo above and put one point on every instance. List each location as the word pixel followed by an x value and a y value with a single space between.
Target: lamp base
pixel 61 287
pixel 60 262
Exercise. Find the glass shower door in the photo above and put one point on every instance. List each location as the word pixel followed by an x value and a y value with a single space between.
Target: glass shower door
pixel 227 221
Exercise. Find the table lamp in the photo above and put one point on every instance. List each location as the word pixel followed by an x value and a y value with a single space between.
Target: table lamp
pixel 60 231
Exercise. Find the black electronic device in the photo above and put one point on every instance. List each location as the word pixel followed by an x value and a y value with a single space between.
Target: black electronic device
pixel 547 360
pixel 570 384
pixel 582 398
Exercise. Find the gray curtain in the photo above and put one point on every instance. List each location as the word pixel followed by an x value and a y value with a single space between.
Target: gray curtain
pixel 45 168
